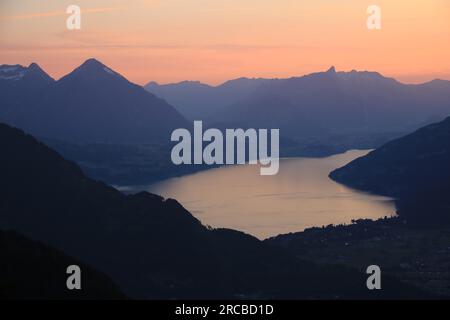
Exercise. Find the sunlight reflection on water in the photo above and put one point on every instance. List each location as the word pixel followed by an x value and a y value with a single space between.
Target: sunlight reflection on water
pixel 300 196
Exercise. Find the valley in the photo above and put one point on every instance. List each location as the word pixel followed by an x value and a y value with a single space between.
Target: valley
pixel 153 248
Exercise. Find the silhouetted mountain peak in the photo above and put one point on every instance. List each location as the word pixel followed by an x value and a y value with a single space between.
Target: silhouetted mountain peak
pixel 92 63
pixel 133 114
pixel 36 73
pixel 34 67
pixel 332 70
pixel 18 72
pixel 31 75
pixel 320 76
pixel 94 70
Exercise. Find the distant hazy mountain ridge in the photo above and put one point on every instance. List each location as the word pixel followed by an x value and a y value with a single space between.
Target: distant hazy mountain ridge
pixel 320 103
pixel 197 100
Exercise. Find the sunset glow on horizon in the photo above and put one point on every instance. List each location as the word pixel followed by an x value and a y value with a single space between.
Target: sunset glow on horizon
pixel 213 41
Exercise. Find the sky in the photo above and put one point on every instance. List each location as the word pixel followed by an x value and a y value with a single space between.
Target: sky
pixel 214 41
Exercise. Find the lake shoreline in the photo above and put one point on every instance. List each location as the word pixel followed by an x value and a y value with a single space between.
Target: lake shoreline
pixel 299 197
pixel 203 167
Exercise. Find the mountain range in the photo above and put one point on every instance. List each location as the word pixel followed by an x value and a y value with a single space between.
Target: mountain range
pixel 152 247
pixel 197 101
pixel 335 110
pixel 317 104
pixel 91 104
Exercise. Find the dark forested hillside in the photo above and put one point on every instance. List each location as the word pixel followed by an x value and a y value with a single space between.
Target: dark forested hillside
pixel 415 169
pixel 32 270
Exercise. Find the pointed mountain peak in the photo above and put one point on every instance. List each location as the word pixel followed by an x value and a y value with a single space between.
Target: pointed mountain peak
pixel 34 71
pixel 331 70
pixel 92 63
pixel 93 69
pixel 34 66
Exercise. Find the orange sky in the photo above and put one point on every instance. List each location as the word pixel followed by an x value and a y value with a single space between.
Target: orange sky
pixel 212 41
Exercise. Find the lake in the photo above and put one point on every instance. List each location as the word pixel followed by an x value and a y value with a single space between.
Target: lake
pixel 300 196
